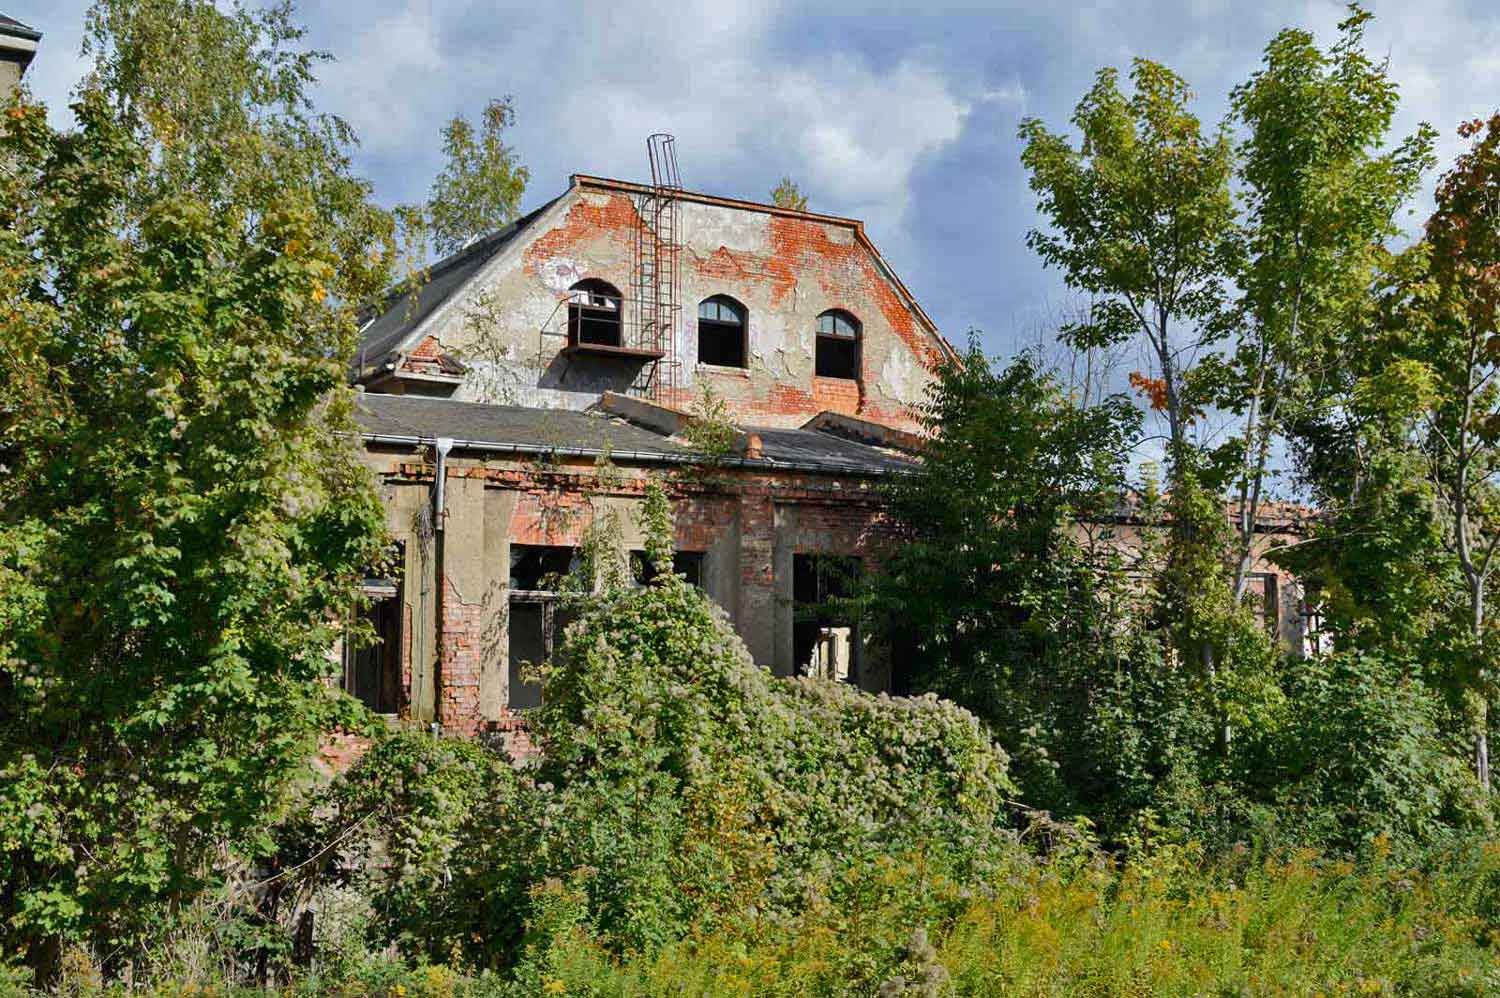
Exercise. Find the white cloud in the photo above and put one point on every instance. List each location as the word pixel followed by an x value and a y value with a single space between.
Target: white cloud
pixel 590 88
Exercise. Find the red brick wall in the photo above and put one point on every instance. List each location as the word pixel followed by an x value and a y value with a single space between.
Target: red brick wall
pixel 552 509
pixel 461 660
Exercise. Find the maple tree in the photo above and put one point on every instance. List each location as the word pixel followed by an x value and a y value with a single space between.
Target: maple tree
pixel 184 520
pixel 1462 306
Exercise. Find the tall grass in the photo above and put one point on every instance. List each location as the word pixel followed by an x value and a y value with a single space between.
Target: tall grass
pixel 1167 923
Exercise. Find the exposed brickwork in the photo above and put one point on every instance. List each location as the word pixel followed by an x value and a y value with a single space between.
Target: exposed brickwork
pixel 849 273
pixel 612 215
pixel 339 752
pixel 462 660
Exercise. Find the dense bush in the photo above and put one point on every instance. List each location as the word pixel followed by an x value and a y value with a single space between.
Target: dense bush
pixel 692 781
pixel 1365 759
pixel 682 785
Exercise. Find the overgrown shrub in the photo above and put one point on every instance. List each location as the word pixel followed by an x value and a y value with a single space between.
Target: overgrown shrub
pixel 408 849
pixel 681 785
pixel 692 783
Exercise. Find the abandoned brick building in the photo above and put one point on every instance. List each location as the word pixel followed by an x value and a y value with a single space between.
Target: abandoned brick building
pixel 540 376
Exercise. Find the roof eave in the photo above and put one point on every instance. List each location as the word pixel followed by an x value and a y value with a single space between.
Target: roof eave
pixel 639 457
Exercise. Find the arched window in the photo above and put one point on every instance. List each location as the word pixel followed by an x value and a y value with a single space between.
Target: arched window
pixel 838 345
pixel 594 308
pixel 722 332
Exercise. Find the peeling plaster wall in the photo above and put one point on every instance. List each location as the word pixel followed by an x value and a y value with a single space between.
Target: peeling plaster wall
pixel 786 270
pixel 746 525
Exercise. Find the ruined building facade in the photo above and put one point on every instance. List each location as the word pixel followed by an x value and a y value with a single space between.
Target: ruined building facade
pixel 548 371
pixel 536 380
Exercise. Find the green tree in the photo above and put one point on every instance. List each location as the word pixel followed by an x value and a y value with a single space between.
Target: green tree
pixel 1463 420
pixel 1140 217
pixel 992 595
pixel 184 517
pixel 479 189
pixel 788 195
pixel 1321 199
pixel 1402 455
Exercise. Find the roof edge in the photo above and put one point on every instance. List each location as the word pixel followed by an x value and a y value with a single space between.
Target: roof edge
pixel 496 244
pixel 15 29
pixel 631 187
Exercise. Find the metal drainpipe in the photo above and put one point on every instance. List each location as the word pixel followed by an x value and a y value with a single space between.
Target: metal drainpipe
pixel 439 520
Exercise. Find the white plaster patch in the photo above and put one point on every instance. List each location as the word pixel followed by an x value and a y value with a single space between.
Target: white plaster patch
pixel 561 273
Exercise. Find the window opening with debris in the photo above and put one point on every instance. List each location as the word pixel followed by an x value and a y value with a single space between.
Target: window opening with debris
pixel 824 634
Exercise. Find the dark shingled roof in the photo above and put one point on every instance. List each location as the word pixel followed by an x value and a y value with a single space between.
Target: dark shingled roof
pixel 810 447
pixel 398 315
pixel 478 426
pixel 500 425
pixel 10 26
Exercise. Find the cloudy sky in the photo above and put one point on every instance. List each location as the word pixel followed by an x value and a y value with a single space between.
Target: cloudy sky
pixel 906 120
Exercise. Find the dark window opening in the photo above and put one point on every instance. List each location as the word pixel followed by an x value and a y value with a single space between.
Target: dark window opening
pixel 838 345
pixel 594 310
pixel 372 673
pixel 824 633
pixel 722 332
pixel 537 617
pixel 1264 595
pixel 903 661
pixel 688 564
pixel 541 567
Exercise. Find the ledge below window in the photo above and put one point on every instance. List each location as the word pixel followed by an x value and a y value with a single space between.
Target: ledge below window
pixel 733 372
pixel 608 350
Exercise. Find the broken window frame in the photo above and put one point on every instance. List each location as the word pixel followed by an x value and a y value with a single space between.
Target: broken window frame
pixel 383 606
pixel 838 346
pixel 596 312
pixel 539 589
pixel 714 327
pixel 1315 639
pixel 835 577
pixel 1268 611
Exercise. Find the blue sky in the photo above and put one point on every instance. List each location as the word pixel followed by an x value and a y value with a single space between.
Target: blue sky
pixel 903 116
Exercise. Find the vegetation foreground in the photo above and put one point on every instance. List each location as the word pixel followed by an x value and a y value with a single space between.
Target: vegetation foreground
pixel 184 527
pixel 697 838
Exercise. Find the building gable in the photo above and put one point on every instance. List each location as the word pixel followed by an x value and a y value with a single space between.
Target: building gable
pixel 504 311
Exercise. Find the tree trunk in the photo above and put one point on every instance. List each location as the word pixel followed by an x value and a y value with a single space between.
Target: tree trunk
pixel 1482 748
pixel 1482 718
